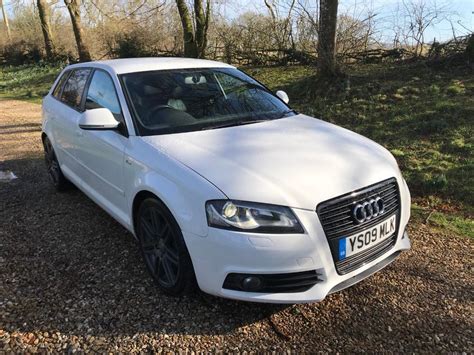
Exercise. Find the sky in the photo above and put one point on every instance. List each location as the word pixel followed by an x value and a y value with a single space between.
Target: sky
pixel 458 10
pixel 461 12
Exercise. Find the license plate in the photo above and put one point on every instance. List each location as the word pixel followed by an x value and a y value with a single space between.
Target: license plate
pixel 365 239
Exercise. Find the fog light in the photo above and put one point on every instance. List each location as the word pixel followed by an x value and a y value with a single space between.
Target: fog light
pixel 251 283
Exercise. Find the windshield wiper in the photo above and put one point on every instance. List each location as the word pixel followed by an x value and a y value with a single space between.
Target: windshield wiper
pixel 250 121
pixel 286 113
pixel 237 123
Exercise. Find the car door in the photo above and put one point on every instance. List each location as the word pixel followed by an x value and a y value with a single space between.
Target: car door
pixel 101 152
pixel 65 107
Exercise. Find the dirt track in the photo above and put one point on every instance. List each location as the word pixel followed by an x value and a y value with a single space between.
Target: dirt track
pixel 71 278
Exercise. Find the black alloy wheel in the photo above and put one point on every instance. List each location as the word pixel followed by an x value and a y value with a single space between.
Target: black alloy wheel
pixel 52 165
pixel 163 248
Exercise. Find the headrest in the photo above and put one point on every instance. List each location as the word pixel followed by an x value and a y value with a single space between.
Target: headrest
pixel 177 92
pixel 195 79
pixel 150 90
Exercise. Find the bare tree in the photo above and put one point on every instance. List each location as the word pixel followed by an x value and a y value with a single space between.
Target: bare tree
pixel 420 15
pixel 43 10
pixel 5 21
pixel 281 28
pixel 410 20
pixel 74 8
pixel 353 34
pixel 194 34
pixel 327 36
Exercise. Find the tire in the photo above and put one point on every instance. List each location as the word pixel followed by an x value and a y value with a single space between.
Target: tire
pixel 163 248
pixel 54 170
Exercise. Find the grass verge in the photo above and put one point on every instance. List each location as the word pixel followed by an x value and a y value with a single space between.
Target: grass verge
pixel 28 82
pixel 424 116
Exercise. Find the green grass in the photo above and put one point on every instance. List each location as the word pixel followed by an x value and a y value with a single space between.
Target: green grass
pixel 453 222
pixel 425 117
pixel 27 82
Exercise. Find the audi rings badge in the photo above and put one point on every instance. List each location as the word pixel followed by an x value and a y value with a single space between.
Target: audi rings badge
pixel 368 209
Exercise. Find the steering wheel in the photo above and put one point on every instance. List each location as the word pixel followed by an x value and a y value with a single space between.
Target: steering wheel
pixel 155 109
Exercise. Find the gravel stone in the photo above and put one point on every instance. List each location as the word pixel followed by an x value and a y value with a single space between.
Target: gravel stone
pixel 72 280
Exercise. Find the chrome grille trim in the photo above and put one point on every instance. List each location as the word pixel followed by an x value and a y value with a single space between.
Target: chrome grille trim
pixel 336 219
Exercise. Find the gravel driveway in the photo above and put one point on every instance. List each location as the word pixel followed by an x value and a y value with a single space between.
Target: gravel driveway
pixel 72 279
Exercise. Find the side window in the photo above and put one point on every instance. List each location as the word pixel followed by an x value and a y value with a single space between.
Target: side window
pixel 74 87
pixel 57 89
pixel 102 93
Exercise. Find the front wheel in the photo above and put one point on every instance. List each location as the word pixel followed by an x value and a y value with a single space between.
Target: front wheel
pixel 52 165
pixel 163 248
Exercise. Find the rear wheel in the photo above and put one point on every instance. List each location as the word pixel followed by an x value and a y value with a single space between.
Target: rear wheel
pixel 163 248
pixel 52 165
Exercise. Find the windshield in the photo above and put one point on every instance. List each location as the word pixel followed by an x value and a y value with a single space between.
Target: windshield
pixel 183 100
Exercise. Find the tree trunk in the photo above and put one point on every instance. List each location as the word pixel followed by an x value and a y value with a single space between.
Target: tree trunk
pixel 5 21
pixel 195 41
pixel 327 36
pixel 43 10
pixel 202 23
pixel 190 48
pixel 74 8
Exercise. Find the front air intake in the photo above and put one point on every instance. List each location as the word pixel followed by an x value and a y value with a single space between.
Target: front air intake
pixel 339 221
pixel 272 283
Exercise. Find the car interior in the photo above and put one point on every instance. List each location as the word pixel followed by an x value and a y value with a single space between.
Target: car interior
pixel 164 100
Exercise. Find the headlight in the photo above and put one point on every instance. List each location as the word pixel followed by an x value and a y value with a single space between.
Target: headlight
pixel 250 216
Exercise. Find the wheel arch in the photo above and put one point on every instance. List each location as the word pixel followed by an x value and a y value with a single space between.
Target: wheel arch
pixel 183 196
pixel 139 197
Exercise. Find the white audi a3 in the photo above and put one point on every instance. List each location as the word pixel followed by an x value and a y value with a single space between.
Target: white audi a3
pixel 221 182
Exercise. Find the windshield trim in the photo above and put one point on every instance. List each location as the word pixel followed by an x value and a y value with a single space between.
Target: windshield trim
pixel 172 130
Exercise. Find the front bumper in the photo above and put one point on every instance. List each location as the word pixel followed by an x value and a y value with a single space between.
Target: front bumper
pixel 223 252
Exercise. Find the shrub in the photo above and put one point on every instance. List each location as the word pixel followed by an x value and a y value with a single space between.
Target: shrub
pixel 22 52
pixel 133 44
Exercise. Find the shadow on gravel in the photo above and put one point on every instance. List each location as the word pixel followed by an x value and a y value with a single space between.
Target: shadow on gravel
pixel 67 266
pixel 71 267
pixel 21 125
pixel 20 128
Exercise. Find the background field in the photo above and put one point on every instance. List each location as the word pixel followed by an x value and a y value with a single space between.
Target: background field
pixel 73 279
pixel 424 115
pixel 399 72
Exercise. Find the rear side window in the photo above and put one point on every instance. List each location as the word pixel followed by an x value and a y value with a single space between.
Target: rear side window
pixel 102 93
pixel 74 87
pixel 59 86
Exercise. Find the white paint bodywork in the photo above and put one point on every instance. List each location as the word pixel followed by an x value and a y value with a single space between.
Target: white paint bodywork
pixel 297 161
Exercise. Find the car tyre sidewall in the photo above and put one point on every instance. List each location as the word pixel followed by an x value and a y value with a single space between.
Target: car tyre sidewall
pixel 186 280
pixel 60 183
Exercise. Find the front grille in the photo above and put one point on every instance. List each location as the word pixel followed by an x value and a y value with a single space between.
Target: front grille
pixel 338 222
pixel 275 283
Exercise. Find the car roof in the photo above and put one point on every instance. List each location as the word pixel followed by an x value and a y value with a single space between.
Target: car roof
pixel 132 65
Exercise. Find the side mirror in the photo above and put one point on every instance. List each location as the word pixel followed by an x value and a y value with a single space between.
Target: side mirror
pixel 283 96
pixel 98 119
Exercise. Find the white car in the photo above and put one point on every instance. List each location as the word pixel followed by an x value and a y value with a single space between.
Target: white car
pixel 221 182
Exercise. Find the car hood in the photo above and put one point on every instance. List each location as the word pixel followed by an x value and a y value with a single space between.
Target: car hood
pixel 296 161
